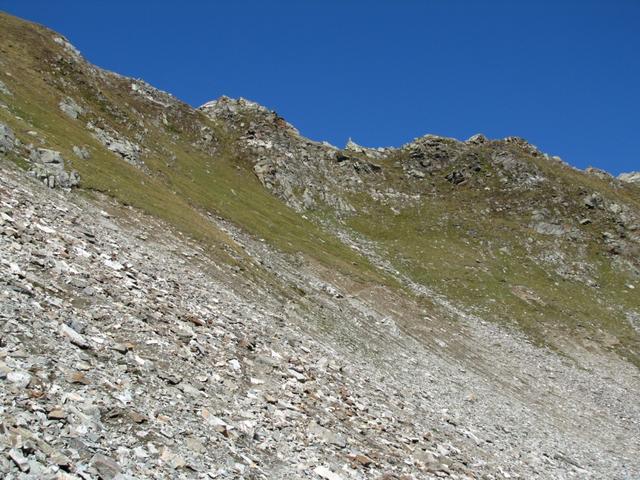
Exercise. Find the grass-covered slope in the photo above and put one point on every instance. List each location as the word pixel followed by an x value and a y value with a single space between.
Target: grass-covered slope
pixel 188 166
pixel 535 256
pixel 496 228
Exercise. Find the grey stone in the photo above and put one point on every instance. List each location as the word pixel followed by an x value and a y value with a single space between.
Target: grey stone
pixel 324 472
pixel 593 200
pixel 546 228
pixel 4 89
pixel 107 468
pixel 73 336
pixel 456 177
pixel 81 152
pixel 21 462
pixel 7 139
pixel 124 148
pixel 48 166
pixel 477 139
pixel 19 378
pixel 70 108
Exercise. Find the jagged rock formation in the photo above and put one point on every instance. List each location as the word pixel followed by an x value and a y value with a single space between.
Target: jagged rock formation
pixel 631 177
pixel 291 166
pixel 224 298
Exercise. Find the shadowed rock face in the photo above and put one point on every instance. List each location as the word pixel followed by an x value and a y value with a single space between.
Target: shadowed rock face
pixel 222 297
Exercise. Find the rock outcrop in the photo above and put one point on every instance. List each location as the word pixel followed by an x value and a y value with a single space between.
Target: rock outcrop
pixel 631 177
pixel 69 107
pixel 48 167
pixel 121 146
pixel 7 139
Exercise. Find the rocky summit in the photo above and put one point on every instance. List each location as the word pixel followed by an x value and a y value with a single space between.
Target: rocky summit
pixel 206 293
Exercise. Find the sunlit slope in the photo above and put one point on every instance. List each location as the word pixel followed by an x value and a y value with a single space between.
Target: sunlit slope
pixel 188 166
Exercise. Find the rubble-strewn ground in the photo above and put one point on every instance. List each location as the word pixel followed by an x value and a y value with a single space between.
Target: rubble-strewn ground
pixel 126 351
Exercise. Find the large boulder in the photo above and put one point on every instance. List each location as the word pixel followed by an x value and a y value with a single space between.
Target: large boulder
pixel 70 108
pixel 48 166
pixel 593 201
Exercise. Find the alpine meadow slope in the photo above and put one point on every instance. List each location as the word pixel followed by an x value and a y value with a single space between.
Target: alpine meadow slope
pixel 206 293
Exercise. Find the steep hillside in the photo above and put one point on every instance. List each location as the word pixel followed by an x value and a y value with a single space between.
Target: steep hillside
pixel 496 228
pixel 206 293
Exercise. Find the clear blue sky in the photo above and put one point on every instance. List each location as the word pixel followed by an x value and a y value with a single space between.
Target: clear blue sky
pixel 563 74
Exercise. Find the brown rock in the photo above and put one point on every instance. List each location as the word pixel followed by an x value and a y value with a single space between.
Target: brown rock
pixel 136 417
pixel 79 377
pixel 56 414
pixel 360 459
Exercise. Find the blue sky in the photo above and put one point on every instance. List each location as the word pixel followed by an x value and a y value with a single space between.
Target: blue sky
pixel 563 74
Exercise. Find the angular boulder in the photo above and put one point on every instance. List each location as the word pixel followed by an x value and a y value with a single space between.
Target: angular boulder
pixel 70 108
